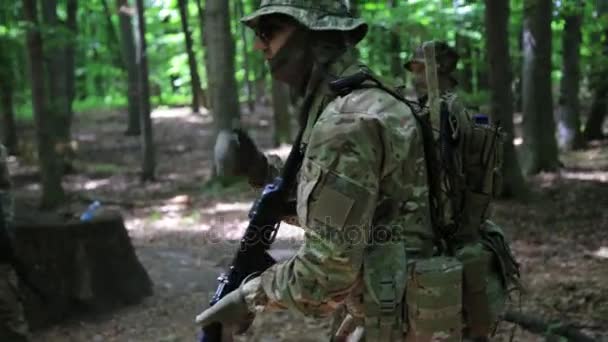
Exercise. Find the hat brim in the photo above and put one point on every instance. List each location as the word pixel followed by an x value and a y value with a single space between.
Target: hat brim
pixel 312 19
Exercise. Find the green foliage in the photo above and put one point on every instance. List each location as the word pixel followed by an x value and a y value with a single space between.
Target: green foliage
pixel 101 77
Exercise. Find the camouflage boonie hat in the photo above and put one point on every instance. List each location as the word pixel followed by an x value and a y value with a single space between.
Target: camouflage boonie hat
pixel 446 56
pixel 316 15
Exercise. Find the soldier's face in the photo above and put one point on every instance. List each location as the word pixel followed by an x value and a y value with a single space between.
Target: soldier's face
pixel 271 35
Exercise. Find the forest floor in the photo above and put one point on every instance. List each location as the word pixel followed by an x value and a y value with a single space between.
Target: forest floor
pixel 184 229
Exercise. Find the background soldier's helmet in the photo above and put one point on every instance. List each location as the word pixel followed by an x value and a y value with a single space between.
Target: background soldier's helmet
pixel 446 56
pixel 316 15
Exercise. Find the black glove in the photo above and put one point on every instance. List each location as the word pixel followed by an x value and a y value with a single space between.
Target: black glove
pixel 252 163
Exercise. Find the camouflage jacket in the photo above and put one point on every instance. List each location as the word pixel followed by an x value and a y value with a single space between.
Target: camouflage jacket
pixel 363 172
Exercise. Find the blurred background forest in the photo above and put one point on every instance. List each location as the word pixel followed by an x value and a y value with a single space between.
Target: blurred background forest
pixel 97 96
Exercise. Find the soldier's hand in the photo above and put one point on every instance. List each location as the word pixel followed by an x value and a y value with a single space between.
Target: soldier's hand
pixel 252 163
pixel 232 310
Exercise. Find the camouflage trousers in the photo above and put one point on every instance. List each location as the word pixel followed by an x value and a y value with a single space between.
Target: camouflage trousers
pixel 13 326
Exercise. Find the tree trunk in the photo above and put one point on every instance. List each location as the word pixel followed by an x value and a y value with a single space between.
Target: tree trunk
pixel 280 106
pixel 248 83
pixel 57 71
pixel 7 89
pixel 147 141
pixel 599 106
pixel 70 55
pixel 397 70
pixel 125 16
pixel 597 113
pixel 112 37
pixel 195 80
pixel 497 14
pixel 9 128
pixel 50 164
pixel 220 52
pixel 569 124
pixel 206 95
pixel 538 126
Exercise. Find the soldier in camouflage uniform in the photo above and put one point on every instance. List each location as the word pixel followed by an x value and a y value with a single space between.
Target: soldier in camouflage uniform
pixel 13 326
pixel 497 280
pixel 362 193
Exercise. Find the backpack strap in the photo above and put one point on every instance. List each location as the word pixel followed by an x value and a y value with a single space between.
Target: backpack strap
pixel 364 79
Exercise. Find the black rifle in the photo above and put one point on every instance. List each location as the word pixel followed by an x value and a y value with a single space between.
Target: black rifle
pixel 265 217
pixel 8 256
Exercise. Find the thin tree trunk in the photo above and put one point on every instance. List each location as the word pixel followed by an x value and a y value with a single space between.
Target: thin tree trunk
pixel 599 104
pixel 112 37
pixel 220 52
pixel 539 125
pixel 280 106
pixel 148 161
pixel 569 133
pixel 497 23
pixel 7 90
pixel 597 113
pixel 57 73
pixel 125 16
pixel 206 95
pixel 195 80
pixel 9 128
pixel 50 165
pixel 70 55
pixel 248 83
pixel 397 70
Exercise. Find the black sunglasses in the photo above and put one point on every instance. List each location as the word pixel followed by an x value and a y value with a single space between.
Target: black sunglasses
pixel 267 29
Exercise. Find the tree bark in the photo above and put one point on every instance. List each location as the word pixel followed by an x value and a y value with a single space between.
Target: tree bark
pixel 569 124
pixel 220 52
pixel 599 105
pixel 397 70
pixel 206 95
pixel 539 126
pixel 597 113
pixel 82 267
pixel 50 164
pixel 7 90
pixel 125 16
pixel 195 80
pixel 9 128
pixel 497 14
pixel 147 140
pixel 112 37
pixel 70 55
pixel 246 63
pixel 220 49
pixel 280 106
pixel 57 71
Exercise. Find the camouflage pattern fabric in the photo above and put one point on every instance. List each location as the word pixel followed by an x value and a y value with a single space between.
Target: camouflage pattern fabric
pixel 13 326
pixel 316 15
pixel 363 167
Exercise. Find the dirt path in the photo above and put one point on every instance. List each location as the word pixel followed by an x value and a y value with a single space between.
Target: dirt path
pixel 179 228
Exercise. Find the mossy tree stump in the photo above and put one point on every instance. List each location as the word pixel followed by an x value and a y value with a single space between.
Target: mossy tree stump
pixel 81 267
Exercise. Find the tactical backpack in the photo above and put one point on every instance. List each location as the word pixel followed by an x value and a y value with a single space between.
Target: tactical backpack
pixel 462 288
pixel 464 156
